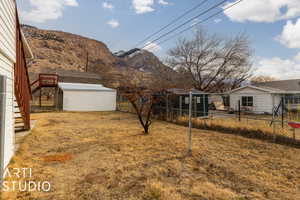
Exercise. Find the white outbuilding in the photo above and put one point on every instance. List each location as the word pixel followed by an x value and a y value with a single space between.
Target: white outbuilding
pixel 86 97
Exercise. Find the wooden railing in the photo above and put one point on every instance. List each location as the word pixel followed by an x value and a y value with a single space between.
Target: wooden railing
pixel 44 80
pixel 48 80
pixel 21 83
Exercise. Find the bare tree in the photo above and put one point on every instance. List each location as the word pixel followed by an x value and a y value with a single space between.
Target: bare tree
pixel 212 63
pixel 143 93
pixel 261 79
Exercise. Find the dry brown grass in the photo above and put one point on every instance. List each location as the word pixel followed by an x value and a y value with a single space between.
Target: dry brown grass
pixel 112 160
pixel 249 127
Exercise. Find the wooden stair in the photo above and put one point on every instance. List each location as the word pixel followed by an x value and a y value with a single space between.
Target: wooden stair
pixel 35 89
pixel 19 122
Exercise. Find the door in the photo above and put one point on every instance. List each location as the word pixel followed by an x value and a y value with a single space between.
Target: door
pixel 2 122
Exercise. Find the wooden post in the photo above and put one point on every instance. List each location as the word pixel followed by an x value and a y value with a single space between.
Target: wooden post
pixel 40 97
pixel 294 134
pixel 56 97
pixel 190 125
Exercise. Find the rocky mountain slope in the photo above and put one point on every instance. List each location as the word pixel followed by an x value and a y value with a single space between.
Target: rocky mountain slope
pixel 57 50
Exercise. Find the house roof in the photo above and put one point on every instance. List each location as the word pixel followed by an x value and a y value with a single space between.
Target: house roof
pixel 183 91
pixel 292 85
pixel 71 76
pixel 83 87
pixel 253 87
pixel 275 87
pixel 77 74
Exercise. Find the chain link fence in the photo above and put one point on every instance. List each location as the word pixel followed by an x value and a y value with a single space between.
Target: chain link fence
pixel 269 127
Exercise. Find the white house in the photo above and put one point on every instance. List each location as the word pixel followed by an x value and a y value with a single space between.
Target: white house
pixel 86 97
pixel 264 97
pixel 14 82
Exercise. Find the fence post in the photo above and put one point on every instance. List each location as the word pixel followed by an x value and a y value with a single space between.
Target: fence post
pixel 282 111
pixel 274 129
pixel 180 106
pixel 167 107
pixel 190 125
pixel 239 111
pixel 204 106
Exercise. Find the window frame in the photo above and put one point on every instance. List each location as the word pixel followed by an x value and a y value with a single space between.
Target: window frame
pixel 249 101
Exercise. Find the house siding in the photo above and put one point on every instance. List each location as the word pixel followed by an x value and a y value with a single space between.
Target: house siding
pixel 262 101
pixel 7 61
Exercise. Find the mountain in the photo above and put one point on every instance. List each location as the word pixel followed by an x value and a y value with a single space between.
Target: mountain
pixel 145 61
pixel 60 50
pixel 56 50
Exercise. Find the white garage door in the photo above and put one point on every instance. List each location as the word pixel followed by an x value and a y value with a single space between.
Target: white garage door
pixel 89 101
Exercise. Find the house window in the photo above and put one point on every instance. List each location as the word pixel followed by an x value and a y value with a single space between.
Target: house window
pixel 198 99
pixel 226 100
pixel 247 101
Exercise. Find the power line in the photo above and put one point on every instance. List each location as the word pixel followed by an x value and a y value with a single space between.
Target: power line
pixel 188 21
pixel 172 22
pixel 200 22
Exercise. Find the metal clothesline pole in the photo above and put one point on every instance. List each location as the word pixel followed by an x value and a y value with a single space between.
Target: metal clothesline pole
pixel 190 124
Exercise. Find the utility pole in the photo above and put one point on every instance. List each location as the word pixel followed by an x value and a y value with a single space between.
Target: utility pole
pixel 190 125
pixel 87 61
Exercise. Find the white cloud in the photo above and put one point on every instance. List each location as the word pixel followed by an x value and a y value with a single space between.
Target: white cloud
pixel 113 23
pixel 107 5
pixel 290 35
pixel 194 22
pixel 297 57
pixel 163 2
pixel 218 20
pixel 71 2
pixel 279 68
pixel 143 6
pixel 263 10
pixel 44 10
pixel 153 47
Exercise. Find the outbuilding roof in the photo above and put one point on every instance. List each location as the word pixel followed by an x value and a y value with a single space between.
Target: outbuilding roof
pixel 83 87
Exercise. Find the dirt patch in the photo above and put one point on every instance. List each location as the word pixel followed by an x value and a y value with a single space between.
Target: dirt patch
pixel 58 158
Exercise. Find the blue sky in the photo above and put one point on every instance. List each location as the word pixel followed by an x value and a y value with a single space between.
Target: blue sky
pixel 273 26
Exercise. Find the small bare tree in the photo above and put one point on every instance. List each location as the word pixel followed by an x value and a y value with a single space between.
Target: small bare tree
pixel 212 63
pixel 142 94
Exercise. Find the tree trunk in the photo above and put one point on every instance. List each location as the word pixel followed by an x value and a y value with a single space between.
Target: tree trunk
pixel 146 129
